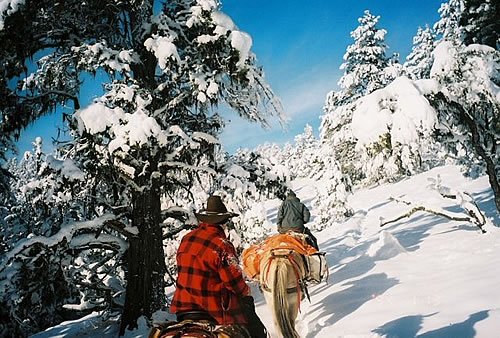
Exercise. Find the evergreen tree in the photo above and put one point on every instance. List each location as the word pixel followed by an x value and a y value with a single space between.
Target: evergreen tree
pixel 247 179
pixel 419 62
pixel 389 129
pixel 30 211
pixel 468 105
pixel 301 158
pixel 392 70
pixel 448 26
pixel 35 266
pixel 336 132
pixel 331 202
pixel 481 22
pixel 152 131
pixel 364 61
pixel 366 68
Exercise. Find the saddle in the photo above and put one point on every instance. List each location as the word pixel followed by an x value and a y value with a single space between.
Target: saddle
pixel 314 260
pixel 197 329
pixel 186 328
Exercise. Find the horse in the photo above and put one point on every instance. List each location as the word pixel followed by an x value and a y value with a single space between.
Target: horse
pixel 283 277
pixel 281 274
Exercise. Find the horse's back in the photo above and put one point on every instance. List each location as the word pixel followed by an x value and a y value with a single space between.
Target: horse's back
pixel 253 255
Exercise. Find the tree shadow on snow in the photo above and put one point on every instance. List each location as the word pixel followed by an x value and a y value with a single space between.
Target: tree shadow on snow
pixel 355 268
pixel 411 238
pixel 341 252
pixel 464 329
pixel 486 203
pixel 381 204
pixel 461 227
pixel 404 327
pixel 407 327
pixel 345 302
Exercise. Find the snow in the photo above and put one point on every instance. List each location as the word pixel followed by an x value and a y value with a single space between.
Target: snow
pixel 100 53
pixel 242 42
pixel 207 5
pixel 399 109
pixel 127 129
pixel 386 247
pixel 8 7
pixel 422 276
pixel 68 233
pixel 67 168
pixel 164 50
pixel 444 58
pixel 223 21
pixel 97 117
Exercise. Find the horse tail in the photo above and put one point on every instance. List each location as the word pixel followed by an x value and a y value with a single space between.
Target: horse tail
pixel 281 304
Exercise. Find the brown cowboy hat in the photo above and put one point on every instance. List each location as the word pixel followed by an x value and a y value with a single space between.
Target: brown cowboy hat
pixel 215 213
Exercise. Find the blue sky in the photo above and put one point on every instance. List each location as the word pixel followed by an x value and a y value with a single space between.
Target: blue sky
pixel 300 45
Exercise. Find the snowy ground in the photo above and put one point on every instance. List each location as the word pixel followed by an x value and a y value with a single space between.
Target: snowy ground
pixel 423 276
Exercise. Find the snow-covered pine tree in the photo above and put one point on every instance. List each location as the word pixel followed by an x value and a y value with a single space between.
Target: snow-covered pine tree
pixel 336 132
pixel 393 128
pixel 29 212
pixel 393 69
pixel 153 129
pixel 481 22
pixel 248 179
pixel 364 61
pixel 301 159
pixel 448 26
pixel 466 98
pixel 331 202
pixel 366 68
pixel 419 62
pixel 36 270
pixel 276 154
pixel 6 144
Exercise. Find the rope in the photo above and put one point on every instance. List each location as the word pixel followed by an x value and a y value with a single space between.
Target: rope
pixel 300 287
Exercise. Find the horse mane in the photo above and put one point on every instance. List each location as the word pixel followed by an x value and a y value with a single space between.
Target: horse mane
pixel 280 299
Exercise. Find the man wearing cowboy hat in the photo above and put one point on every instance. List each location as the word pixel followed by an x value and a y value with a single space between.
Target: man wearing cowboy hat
pixel 210 284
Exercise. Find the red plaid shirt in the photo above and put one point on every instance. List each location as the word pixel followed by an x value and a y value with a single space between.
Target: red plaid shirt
pixel 209 276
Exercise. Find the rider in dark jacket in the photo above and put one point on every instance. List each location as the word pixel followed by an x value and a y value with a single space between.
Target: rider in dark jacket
pixel 292 215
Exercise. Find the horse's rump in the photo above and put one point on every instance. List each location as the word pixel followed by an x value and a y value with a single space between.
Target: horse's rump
pixel 293 262
pixel 281 278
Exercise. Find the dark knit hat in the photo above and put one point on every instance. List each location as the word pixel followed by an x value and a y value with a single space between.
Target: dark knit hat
pixel 215 212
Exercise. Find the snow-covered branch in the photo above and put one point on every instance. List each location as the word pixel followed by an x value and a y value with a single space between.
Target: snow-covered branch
pixel 474 217
pixel 67 233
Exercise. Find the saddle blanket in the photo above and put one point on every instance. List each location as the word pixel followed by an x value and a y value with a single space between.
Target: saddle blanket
pixel 291 241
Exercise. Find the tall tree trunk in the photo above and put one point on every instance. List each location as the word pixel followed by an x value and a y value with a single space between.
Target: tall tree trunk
pixel 146 263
